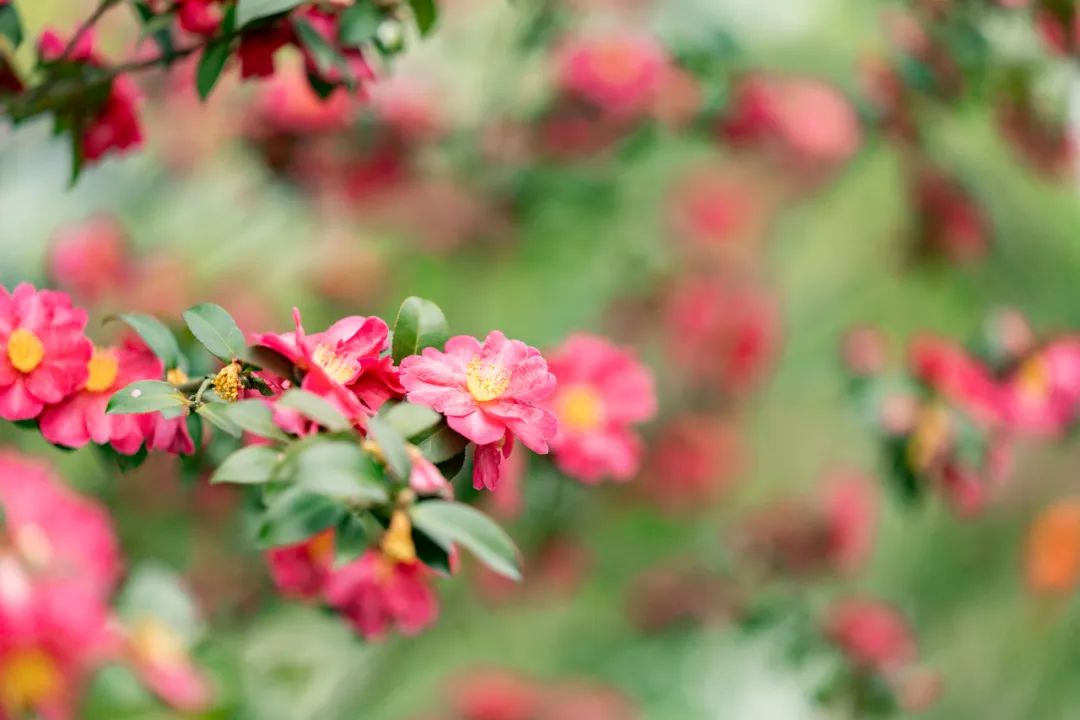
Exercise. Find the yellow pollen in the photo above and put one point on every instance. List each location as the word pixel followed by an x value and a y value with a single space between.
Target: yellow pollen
pixel 334 365
pixel 25 350
pixel 176 376
pixel 28 678
pixel 321 547
pixel 580 408
pixel 227 382
pixel 485 380
pixel 397 544
pixel 1034 378
pixel 157 643
pixel 103 368
pixel 932 433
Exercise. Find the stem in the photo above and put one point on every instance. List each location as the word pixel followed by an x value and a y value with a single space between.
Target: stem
pixel 202 388
pixel 99 12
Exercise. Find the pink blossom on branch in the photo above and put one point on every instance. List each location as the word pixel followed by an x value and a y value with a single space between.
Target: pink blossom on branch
pixel 491 393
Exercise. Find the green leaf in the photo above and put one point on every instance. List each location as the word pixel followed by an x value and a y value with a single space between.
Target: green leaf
pixel 341 471
pixel 254 416
pixel 211 63
pixel 157 26
pixel 215 412
pixel 154 591
pixel 358 24
pixel 426 13
pixel 11 25
pixel 146 396
pixel 420 323
pixel 442 445
pixel 326 57
pixel 392 445
pixel 296 515
pixel 315 408
pixel 352 536
pixel 252 465
pixel 214 327
pixel 449 523
pixel 157 337
pixel 248 10
pixel 408 419
pixel 431 553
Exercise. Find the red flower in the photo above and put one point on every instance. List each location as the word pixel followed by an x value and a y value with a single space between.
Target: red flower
pixel 377 593
pixel 871 633
pixel 301 570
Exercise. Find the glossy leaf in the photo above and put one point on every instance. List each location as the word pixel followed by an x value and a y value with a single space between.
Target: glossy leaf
pixel 420 323
pixel 342 471
pixel 296 515
pixel 359 23
pixel 215 328
pixel 408 419
pixel 450 523
pixel 215 413
pixel 146 396
pixel 211 63
pixel 249 466
pixel 315 408
pixel 392 444
pixel 249 10
pixel 442 445
pixel 426 13
pixel 254 416
pixel 10 24
pixel 157 337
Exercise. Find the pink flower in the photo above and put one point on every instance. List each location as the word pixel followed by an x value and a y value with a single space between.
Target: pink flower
pixel 490 393
pixel 287 103
pixel 161 658
pixel 620 74
pixel 80 418
pixel 90 258
pixel 425 478
pixel 301 570
pixel 602 392
pixel 43 352
pixel 871 633
pixel 377 593
pixel 200 17
pixel 850 509
pixel 1042 395
pixel 949 370
pixel 493 694
pixel 168 434
pixel 344 364
pixel 952 224
pixel 692 463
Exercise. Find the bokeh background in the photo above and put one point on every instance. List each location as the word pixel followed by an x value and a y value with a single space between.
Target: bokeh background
pixel 469 179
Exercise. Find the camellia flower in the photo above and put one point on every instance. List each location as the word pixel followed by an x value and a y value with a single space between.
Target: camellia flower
pixel 43 351
pixel 200 17
pixel 620 74
pixel 871 633
pixel 90 258
pixel 80 418
pixel 602 391
pixel 1042 396
pixel 692 463
pixel 490 393
pixel 387 587
pixel 952 224
pixel 161 658
pixel 344 363
pixel 963 380
pixel 301 570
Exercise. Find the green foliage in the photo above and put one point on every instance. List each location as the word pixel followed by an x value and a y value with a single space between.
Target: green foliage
pixel 450 523
pixel 215 328
pixel 248 11
pixel 314 408
pixel 420 323
pixel 157 337
pixel 146 396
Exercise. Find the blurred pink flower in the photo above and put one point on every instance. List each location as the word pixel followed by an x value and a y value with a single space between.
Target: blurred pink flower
pixel 489 393
pixel 377 593
pixel 871 633
pixel 80 418
pixel 162 661
pixel 849 504
pixel 200 17
pixel 301 570
pixel 1042 396
pixel 952 224
pixel 90 258
pixel 691 463
pixel 953 373
pixel 602 391
pixel 621 74
pixel 494 694
pixel 43 351
pixel 287 103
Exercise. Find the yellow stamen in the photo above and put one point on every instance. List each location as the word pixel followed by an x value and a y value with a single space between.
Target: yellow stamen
pixel 176 376
pixel 580 408
pixel 321 547
pixel 28 678
pixel 486 380
pixel 933 429
pixel 334 365
pixel 227 382
pixel 157 643
pixel 103 368
pixel 25 350
pixel 1034 378
pixel 397 543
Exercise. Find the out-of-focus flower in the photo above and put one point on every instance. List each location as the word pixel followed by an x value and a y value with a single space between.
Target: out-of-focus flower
pixel 80 418
pixel 679 99
pixel 90 258
pixel 721 212
pixel 957 376
pixel 871 633
pixel 807 119
pixel 691 463
pixel 864 351
pixel 1042 396
pixel 377 593
pixel 301 570
pixel 490 393
pixel 952 225
pixel 722 332
pixel 494 694
pixel 200 17
pixel 286 103
pixel 43 351
pixel 555 571
pixel 161 658
pixel 1053 549
pixel 602 391
pixel 621 74
pixel 664 597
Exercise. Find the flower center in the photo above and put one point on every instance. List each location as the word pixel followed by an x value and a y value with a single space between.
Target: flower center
pixel 486 380
pixel 28 678
pixel 103 368
pixel 25 350
pixel 176 376
pixel 580 408
pixel 1034 378
pixel 321 548
pixel 157 643
pixel 616 62
pixel 339 368
pixel 397 544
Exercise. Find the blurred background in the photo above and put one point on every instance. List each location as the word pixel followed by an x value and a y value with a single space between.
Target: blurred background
pixel 729 187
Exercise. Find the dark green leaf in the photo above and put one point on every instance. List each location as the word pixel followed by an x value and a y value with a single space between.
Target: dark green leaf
pixel 326 57
pixel 408 419
pixel 426 13
pixel 449 523
pixel 215 412
pixel 157 337
pixel 420 323
pixel 146 396
pixel 296 515
pixel 214 327
pixel 270 360
pixel 442 445
pixel 254 416
pixel 352 537
pixel 11 25
pixel 392 444
pixel 431 553
pixel 315 408
pixel 358 24
pixel 341 471
pixel 248 466
pixel 248 10
pixel 211 63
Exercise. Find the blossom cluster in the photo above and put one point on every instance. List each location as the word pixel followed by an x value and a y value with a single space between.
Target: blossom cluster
pixel 60 567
